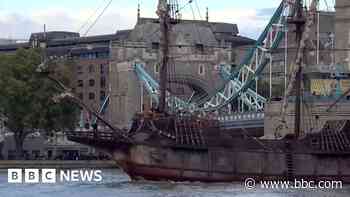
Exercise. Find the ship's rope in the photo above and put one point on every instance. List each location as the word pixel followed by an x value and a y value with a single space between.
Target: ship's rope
pixel 67 94
pixel 300 57
pixel 155 129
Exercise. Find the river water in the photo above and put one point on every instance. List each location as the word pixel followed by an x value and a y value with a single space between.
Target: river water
pixel 116 184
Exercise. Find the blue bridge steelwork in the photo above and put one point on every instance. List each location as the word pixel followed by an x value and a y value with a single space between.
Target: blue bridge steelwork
pixel 237 80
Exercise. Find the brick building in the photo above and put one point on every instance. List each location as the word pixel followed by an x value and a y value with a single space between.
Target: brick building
pixel 90 57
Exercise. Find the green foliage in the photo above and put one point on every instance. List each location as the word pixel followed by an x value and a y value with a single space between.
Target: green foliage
pixel 26 97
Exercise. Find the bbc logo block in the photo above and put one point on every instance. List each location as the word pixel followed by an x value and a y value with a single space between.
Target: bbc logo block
pixel 48 175
pixel 14 175
pixel 31 175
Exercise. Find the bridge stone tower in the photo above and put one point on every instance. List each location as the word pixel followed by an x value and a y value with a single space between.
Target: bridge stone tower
pixel 342 30
pixel 125 92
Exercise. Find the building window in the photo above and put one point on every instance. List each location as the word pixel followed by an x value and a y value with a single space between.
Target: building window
pixel 91 82
pixel 102 95
pixel 92 96
pixel 156 68
pixel 84 56
pixel 80 83
pixel 92 56
pixel 102 55
pixel 155 45
pixel 102 68
pixel 103 82
pixel 201 69
pixel 91 69
pixel 80 70
pixel 200 47
pixel 81 96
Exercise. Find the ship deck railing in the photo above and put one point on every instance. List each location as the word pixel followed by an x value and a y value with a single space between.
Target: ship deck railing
pixel 96 138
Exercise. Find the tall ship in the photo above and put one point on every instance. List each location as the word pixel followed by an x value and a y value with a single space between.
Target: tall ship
pixel 182 141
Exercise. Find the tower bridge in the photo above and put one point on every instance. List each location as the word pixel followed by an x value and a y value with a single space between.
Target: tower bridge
pixel 237 90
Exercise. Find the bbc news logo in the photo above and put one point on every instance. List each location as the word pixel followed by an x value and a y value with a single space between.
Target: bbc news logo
pixel 52 176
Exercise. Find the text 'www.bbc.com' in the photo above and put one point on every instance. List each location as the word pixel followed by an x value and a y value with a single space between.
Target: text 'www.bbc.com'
pixel 251 184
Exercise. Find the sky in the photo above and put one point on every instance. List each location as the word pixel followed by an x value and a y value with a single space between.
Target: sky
pixel 18 18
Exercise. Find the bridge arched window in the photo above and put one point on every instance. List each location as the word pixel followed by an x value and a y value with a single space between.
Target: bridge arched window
pixel 156 68
pixel 201 69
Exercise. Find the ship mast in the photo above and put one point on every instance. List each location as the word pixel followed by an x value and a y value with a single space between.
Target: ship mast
pixel 303 30
pixel 299 22
pixel 164 20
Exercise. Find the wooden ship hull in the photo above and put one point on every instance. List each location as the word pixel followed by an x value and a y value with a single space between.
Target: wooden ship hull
pixel 229 165
pixel 206 153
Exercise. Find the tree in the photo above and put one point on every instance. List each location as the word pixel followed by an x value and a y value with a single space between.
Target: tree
pixel 26 98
